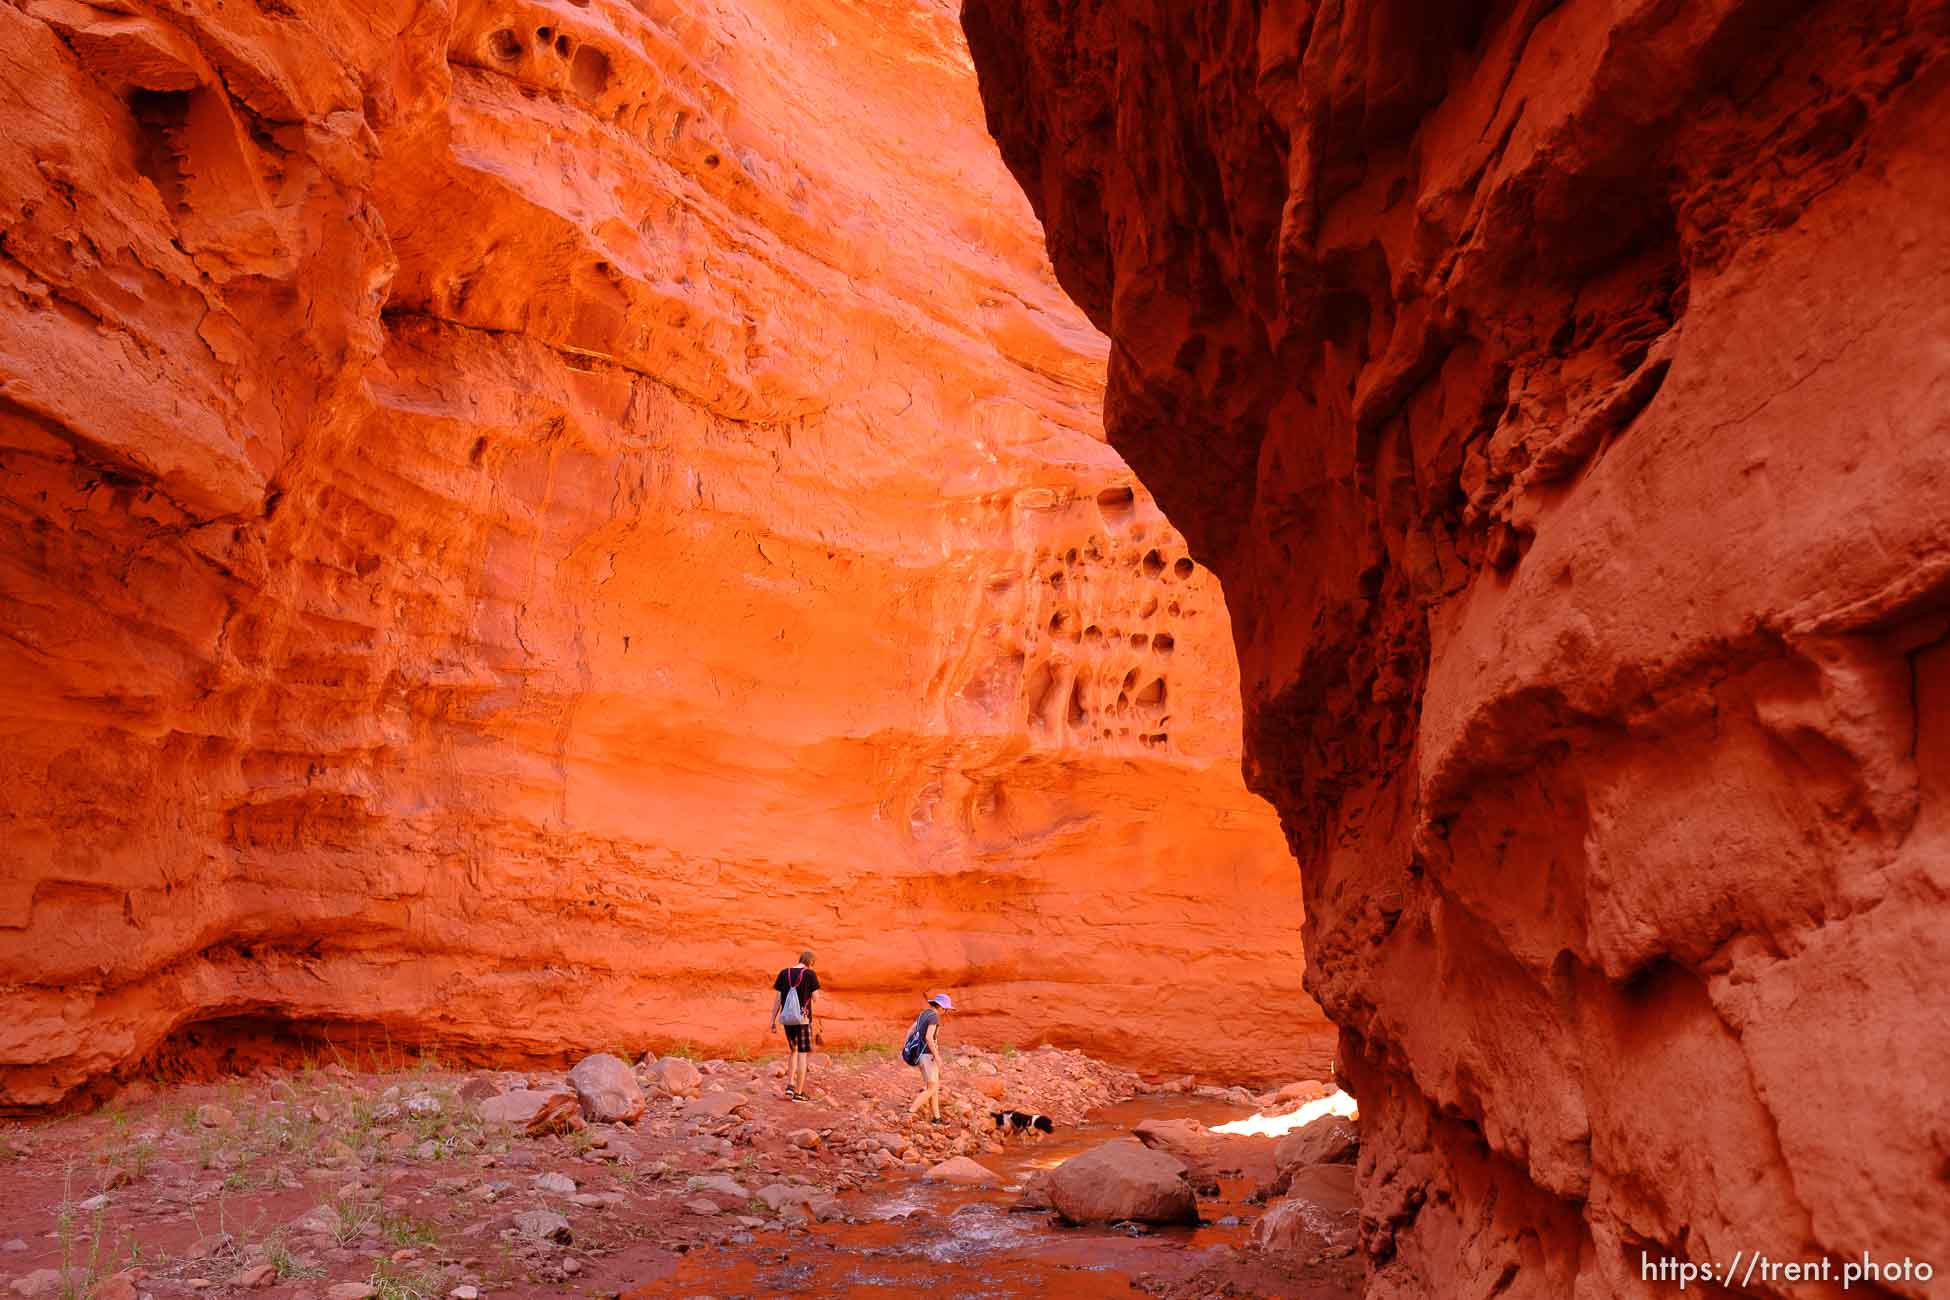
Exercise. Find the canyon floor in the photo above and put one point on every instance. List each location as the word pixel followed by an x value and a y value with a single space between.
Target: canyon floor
pixel 334 1183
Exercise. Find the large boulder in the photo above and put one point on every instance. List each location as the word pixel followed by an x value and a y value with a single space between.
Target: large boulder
pixel 534 1111
pixel 1034 1194
pixel 1329 1140
pixel 1321 1214
pixel 607 1089
pixel 1209 1156
pixel 1123 1180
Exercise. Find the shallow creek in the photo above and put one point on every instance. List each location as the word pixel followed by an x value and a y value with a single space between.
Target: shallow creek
pixel 907 1236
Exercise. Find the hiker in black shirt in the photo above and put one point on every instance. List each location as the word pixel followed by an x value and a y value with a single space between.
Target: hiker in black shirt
pixel 795 987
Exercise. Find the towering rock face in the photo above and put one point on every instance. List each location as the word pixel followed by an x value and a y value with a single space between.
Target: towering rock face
pixel 1560 391
pixel 515 518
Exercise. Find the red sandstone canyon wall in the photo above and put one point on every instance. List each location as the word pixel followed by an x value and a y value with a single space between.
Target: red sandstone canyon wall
pixel 514 517
pixel 1562 393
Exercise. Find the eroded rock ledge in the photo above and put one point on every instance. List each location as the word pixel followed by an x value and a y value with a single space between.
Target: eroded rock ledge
pixel 1560 392
pixel 515 517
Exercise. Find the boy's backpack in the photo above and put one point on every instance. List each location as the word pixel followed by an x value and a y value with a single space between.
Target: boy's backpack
pixel 917 1042
pixel 792 1011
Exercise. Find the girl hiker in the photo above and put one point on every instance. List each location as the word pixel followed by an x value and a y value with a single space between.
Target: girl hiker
pixel 795 987
pixel 923 1050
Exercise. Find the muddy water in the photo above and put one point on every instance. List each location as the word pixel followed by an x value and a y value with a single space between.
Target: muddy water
pixel 907 1237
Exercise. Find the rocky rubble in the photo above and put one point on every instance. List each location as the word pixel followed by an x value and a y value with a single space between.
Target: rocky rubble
pixel 474 1164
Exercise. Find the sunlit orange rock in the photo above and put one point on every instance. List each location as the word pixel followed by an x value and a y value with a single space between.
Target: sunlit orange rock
pixel 516 518
pixel 1560 392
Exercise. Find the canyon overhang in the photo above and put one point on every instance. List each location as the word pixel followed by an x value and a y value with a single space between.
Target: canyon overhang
pixel 1562 392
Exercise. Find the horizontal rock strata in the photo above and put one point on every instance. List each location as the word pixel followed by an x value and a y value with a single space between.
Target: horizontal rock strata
pixel 514 519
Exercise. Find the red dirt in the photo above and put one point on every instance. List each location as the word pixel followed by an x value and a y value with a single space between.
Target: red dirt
pixel 415 1219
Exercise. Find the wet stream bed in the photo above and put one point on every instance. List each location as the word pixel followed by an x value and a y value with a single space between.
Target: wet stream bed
pixel 330 1181
pixel 906 1237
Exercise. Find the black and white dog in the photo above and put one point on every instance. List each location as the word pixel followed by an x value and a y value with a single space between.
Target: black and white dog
pixel 1022 1124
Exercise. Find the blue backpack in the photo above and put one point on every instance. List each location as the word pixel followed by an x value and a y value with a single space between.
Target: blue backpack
pixel 917 1041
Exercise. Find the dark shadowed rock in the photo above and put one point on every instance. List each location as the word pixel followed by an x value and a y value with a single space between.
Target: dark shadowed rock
pixel 1574 472
pixel 1209 1156
pixel 1329 1140
pixel 1321 1213
pixel 1035 1193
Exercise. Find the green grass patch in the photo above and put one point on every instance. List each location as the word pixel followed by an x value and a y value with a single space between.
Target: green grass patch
pixel 85 1250
pixel 402 1282
pixel 353 1220
pixel 277 1253
pixel 405 1230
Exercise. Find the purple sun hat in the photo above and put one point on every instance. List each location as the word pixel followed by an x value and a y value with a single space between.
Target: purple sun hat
pixel 943 1001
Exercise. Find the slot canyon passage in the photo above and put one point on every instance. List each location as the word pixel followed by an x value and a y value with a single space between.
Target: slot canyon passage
pixel 1560 390
pixel 520 517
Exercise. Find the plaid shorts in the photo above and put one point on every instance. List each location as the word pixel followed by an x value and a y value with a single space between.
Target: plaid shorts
pixel 799 1037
